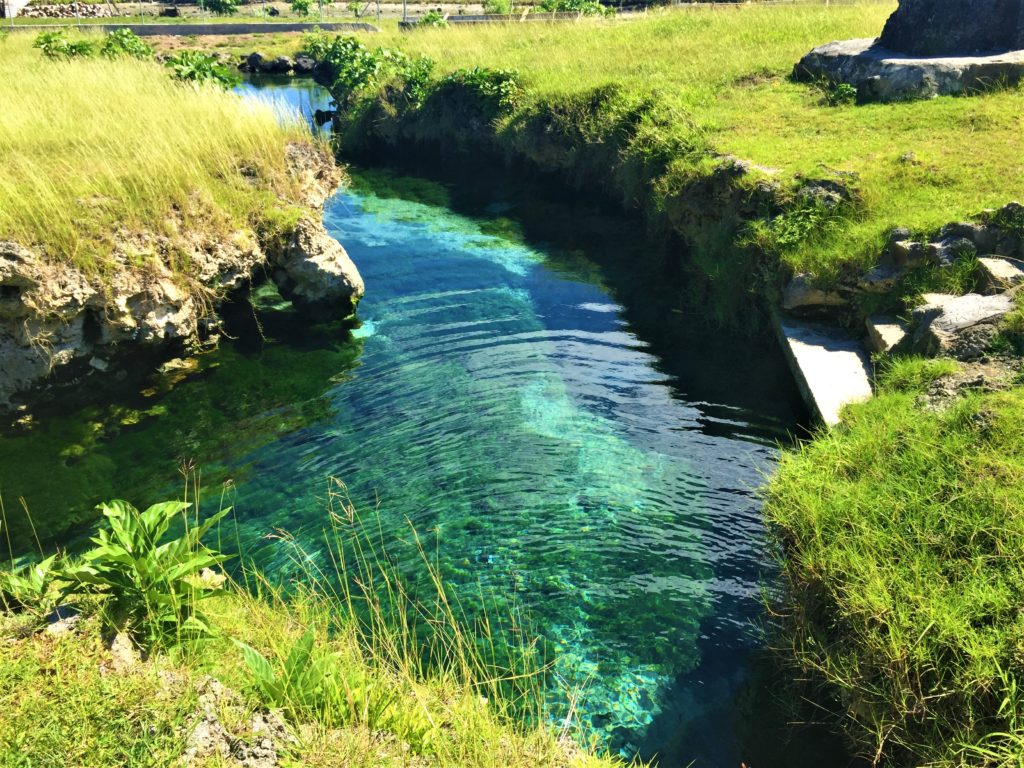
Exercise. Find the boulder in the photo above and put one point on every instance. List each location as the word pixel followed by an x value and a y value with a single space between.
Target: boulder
pixel 959 326
pixel 802 295
pixel 954 27
pixel 879 74
pixel 282 65
pixel 998 274
pixel 315 273
pixel 254 62
pixel 881 279
pixel 303 65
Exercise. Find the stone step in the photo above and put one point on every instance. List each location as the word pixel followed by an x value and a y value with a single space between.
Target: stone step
pixel 999 274
pixel 830 366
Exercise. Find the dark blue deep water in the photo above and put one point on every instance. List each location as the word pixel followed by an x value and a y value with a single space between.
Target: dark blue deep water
pixel 561 439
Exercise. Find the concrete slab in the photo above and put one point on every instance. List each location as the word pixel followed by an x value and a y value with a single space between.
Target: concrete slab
pixel 830 366
pixel 884 333
pixel 212 29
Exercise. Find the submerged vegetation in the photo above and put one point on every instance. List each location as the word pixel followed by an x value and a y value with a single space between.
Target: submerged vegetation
pixel 108 145
pixel 354 671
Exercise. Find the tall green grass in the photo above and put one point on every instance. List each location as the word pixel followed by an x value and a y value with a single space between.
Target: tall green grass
pixel 93 150
pixel 367 667
pixel 902 537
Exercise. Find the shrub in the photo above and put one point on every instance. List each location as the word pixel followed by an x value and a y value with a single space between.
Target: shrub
pixel 502 87
pixel 223 7
pixel 55 45
pixel 197 67
pixel 300 7
pixel 498 7
pixel 152 586
pixel 584 7
pixel 432 19
pixel 124 42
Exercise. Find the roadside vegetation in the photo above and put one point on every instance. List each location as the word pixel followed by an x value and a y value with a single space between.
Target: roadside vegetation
pixel 97 141
pixel 156 657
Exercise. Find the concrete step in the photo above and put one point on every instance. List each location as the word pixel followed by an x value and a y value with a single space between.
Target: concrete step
pixel 830 366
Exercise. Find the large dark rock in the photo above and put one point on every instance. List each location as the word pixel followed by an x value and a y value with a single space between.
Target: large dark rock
pixel 954 27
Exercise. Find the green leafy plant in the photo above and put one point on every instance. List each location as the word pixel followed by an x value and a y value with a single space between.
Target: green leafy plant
pixel 503 88
pixel 432 19
pixel 353 66
pixel 223 7
pixel 30 588
pixel 310 682
pixel 55 45
pixel 152 586
pixel 353 8
pixel 836 94
pixel 197 67
pixel 124 42
pixel 301 7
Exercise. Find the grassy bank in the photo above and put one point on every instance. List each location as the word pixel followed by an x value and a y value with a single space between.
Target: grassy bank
pixel 721 75
pixel 904 558
pixel 168 664
pixel 655 110
pixel 97 149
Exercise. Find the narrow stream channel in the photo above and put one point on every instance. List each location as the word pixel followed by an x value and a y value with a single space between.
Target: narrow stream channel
pixel 517 398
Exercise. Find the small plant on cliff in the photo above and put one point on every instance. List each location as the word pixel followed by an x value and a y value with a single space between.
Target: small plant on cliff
pixel 55 45
pixel 196 67
pixel 124 42
pixel 152 585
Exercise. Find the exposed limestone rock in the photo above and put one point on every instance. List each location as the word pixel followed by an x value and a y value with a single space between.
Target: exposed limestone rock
pixel 260 743
pixel 958 326
pixel 315 273
pixel 802 295
pixel 881 75
pixel 57 324
pixel 885 333
pixel 954 27
pixel 999 274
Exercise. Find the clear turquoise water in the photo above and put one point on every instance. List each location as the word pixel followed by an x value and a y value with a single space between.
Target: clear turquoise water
pixel 573 449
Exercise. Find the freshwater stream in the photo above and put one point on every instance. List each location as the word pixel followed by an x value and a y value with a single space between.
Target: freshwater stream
pixel 563 442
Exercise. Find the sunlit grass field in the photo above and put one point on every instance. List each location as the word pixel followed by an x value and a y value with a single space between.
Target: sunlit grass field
pixel 726 70
pixel 92 148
